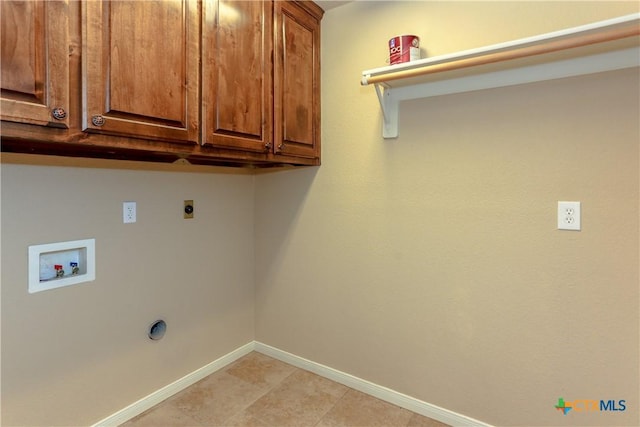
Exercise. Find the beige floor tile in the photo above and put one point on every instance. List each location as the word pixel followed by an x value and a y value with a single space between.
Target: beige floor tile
pixel 418 420
pixel 300 400
pixel 217 398
pixel 259 391
pixel 259 369
pixel 244 419
pixel 359 409
pixel 163 415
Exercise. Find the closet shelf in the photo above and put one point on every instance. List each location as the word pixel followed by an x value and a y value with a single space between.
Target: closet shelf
pixel 601 46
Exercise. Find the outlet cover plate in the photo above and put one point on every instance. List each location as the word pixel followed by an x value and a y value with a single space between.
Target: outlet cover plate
pixel 569 216
pixel 128 212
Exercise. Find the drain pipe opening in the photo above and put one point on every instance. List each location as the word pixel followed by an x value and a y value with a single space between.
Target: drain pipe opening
pixel 157 330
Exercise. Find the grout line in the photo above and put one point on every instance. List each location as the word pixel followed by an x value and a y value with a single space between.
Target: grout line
pixel 383 393
pixel 169 390
pixel 267 390
pixel 332 406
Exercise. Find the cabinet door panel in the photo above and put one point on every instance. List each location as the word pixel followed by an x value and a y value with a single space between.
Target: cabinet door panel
pixel 140 68
pixel 237 74
pixel 297 82
pixel 35 64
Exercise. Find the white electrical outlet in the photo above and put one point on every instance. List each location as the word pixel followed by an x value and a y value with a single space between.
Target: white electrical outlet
pixel 568 215
pixel 128 212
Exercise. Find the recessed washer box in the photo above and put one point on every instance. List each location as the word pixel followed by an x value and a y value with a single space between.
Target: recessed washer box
pixel 54 265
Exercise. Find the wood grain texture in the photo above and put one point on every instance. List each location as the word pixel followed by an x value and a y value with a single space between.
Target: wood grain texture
pixel 85 41
pixel 297 81
pixel 147 67
pixel 35 66
pixel 141 68
pixel 237 84
pixel 23 48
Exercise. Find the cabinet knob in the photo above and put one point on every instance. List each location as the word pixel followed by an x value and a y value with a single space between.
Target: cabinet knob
pixel 281 146
pixel 59 113
pixel 267 146
pixel 97 120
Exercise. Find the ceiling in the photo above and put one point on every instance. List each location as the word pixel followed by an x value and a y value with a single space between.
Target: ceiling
pixel 331 4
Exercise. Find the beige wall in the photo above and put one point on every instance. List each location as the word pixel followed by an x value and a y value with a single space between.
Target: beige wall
pixel 73 355
pixel 431 264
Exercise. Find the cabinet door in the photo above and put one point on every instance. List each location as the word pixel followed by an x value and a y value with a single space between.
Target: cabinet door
pixel 237 84
pixel 140 68
pixel 34 73
pixel 296 80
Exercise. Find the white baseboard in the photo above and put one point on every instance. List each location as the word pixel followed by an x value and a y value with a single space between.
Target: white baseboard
pixel 418 406
pixel 165 392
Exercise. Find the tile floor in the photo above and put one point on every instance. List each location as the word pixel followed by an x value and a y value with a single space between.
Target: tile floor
pixel 257 390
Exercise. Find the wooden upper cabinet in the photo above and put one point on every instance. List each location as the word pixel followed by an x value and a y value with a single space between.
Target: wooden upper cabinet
pixel 140 69
pixel 212 81
pixel 237 85
pixel 35 62
pixel 297 79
